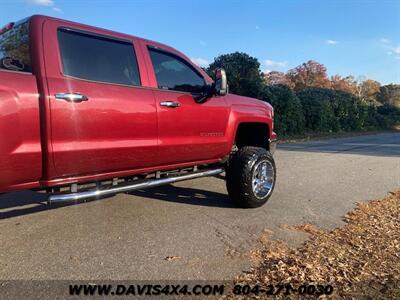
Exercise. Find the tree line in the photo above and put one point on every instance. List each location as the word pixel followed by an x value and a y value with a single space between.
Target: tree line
pixel 307 100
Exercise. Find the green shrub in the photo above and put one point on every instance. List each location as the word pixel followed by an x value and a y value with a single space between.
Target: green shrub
pixel 327 110
pixel 289 118
pixel 389 116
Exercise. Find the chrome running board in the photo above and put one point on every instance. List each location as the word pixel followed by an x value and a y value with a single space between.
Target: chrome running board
pixel 126 188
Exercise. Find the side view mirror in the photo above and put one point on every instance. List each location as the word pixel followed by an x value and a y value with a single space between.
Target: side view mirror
pixel 221 83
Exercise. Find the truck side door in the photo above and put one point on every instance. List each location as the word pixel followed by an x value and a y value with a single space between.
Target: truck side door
pixel 101 119
pixel 188 131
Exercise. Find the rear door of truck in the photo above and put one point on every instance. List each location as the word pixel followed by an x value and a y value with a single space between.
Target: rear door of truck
pixel 102 119
pixel 20 148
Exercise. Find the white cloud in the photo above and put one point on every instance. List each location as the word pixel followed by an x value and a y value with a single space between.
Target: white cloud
pixel 277 64
pixel 396 50
pixel 41 2
pixel 391 48
pixel 266 71
pixel 203 43
pixel 59 10
pixel 331 42
pixel 201 62
pixel 385 41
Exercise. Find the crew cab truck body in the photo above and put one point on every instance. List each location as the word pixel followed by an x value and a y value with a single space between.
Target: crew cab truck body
pixel 85 111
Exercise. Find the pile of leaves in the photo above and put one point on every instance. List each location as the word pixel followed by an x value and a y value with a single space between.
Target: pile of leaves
pixel 360 259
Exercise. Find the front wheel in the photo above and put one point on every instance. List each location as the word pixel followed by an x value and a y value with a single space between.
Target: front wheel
pixel 250 176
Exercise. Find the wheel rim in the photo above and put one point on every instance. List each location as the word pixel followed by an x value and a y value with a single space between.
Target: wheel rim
pixel 263 179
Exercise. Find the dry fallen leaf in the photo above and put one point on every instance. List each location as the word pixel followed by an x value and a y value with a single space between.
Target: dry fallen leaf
pixel 171 258
pixel 360 259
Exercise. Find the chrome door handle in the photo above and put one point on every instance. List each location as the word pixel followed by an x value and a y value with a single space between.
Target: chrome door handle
pixel 172 104
pixel 71 97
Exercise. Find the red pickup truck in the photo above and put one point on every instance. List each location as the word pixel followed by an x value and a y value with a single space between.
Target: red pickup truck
pixel 87 112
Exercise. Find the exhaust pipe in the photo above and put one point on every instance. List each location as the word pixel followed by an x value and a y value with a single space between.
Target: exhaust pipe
pixel 131 187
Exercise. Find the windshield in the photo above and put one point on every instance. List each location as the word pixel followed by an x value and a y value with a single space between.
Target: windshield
pixel 14 48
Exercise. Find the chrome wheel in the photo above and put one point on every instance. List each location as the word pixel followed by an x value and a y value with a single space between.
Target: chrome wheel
pixel 263 179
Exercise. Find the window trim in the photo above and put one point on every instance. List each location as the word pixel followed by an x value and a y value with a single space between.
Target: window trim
pixel 14 71
pixel 103 36
pixel 180 58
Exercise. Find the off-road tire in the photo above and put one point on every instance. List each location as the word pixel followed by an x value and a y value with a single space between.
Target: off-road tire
pixel 239 175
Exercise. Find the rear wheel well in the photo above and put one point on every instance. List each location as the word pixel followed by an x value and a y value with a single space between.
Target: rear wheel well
pixel 252 134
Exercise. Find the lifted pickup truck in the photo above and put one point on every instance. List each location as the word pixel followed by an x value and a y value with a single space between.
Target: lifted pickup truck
pixel 87 112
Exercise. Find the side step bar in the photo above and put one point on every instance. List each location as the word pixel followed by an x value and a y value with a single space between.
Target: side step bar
pixel 126 188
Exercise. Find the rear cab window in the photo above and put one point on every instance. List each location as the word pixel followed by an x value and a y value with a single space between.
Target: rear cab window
pixel 98 58
pixel 14 47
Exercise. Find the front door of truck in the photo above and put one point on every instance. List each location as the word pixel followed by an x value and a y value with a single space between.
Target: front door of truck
pixel 188 131
pixel 101 119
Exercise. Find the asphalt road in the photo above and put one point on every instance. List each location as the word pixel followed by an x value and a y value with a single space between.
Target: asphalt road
pixel 128 236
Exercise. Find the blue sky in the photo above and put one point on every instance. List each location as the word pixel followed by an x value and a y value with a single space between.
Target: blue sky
pixel 360 38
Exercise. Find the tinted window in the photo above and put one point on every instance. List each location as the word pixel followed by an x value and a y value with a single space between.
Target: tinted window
pixel 14 48
pixel 173 73
pixel 98 58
